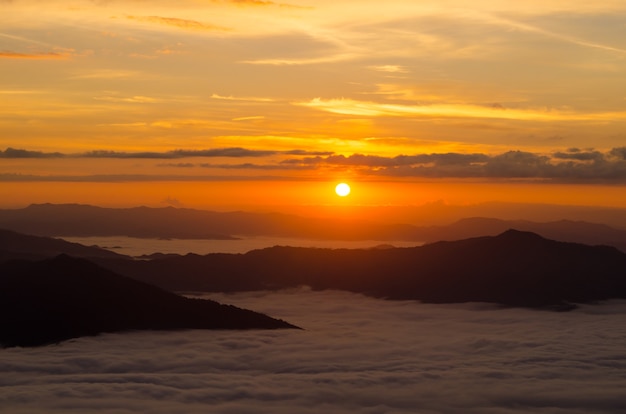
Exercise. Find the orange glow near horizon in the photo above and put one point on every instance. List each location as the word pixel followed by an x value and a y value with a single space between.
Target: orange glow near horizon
pixel 289 196
pixel 129 103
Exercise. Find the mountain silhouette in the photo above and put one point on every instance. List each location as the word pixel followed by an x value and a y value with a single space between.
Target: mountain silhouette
pixel 15 245
pixel 561 230
pixel 514 268
pixel 169 222
pixel 61 298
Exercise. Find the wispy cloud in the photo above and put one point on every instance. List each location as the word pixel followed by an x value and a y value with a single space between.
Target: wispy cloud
pixel 512 24
pixel 130 99
pixel 331 58
pixel 36 56
pixel 263 3
pixel 179 23
pixel 241 98
pixel 249 118
pixel 390 68
pixel 107 74
pixel 375 109
pixel 251 2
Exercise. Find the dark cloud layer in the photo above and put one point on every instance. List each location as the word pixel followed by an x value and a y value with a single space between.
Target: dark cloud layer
pixel 22 153
pixel 234 152
pixel 571 165
pixel 356 354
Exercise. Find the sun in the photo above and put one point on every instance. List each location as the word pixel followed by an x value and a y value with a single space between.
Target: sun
pixel 342 189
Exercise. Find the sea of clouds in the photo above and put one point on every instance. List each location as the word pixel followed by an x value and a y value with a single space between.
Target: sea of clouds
pixel 354 355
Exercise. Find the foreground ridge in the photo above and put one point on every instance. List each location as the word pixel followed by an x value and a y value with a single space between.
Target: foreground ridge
pixel 61 298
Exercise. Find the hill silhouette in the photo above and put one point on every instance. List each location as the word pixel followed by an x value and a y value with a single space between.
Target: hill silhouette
pixel 84 220
pixel 561 230
pixel 61 298
pixel 514 268
pixel 15 245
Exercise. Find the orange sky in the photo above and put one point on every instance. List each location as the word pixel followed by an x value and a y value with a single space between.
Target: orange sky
pixel 261 103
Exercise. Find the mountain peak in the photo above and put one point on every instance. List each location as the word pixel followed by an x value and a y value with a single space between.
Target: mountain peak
pixel 513 234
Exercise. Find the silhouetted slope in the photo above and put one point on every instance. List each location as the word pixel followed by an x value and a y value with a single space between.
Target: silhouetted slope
pixel 21 246
pixel 56 299
pixel 515 268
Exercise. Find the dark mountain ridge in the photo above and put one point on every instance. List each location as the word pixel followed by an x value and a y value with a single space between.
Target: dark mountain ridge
pixel 61 298
pixel 514 268
pixel 15 245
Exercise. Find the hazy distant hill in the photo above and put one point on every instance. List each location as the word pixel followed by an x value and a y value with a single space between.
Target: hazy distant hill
pixel 514 268
pixel 15 245
pixel 169 222
pixel 84 220
pixel 57 299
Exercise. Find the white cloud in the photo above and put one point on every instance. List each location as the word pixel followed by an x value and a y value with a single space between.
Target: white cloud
pixel 356 354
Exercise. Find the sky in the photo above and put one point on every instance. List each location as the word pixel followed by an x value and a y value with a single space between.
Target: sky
pixel 254 102
pixel 355 355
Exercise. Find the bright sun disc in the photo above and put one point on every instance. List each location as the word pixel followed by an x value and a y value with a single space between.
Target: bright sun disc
pixel 342 189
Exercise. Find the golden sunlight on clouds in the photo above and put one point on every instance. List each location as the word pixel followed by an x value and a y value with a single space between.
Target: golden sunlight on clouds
pixel 178 23
pixel 364 108
pixel 48 55
pixel 390 68
pixel 205 91
pixel 244 98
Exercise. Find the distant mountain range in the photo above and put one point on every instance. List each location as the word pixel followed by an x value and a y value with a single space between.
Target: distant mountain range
pixel 56 299
pixel 514 268
pixel 83 220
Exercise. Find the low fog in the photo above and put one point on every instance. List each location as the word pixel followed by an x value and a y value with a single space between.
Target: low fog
pixel 355 355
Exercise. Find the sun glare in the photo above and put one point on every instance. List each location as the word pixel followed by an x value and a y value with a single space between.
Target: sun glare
pixel 342 189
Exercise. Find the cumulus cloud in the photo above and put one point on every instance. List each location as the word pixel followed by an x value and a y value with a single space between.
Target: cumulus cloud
pixel 619 153
pixel 570 165
pixel 356 354
pixel 577 154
